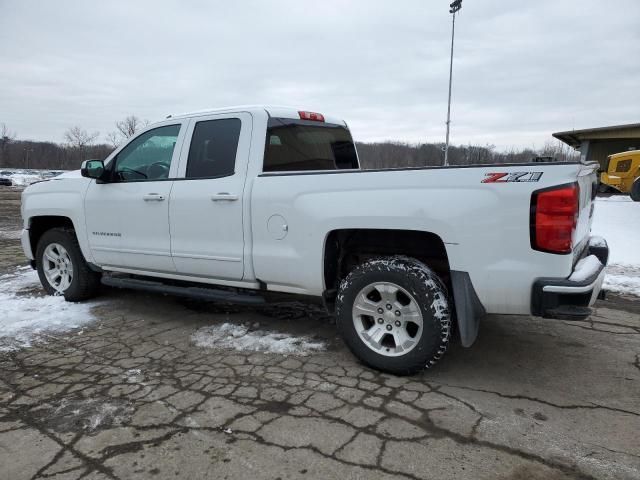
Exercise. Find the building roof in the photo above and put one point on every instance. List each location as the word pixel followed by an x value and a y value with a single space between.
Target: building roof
pixel 575 137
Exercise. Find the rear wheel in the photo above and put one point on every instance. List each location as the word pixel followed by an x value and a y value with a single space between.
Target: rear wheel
pixel 62 268
pixel 393 313
pixel 635 190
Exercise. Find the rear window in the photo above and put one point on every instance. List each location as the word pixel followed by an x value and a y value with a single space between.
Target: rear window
pixel 300 145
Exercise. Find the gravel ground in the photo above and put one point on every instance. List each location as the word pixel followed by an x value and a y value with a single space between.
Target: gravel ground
pixel 130 395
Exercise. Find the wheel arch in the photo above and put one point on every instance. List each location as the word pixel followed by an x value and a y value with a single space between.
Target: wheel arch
pixel 38 225
pixel 346 248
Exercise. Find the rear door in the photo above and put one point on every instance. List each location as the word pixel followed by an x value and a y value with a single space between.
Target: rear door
pixel 206 205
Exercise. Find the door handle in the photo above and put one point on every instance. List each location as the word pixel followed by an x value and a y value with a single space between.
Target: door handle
pixel 224 196
pixel 153 197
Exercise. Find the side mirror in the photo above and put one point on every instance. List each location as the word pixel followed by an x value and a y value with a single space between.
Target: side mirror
pixel 92 169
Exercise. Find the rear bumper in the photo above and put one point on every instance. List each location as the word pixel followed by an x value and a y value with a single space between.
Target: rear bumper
pixel 572 297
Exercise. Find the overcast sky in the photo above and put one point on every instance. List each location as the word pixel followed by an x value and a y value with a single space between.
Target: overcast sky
pixel 522 69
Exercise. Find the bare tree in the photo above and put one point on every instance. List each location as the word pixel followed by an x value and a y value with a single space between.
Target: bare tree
pixel 6 137
pixel 130 125
pixel 79 138
pixel 561 151
pixel 114 138
pixel 5 134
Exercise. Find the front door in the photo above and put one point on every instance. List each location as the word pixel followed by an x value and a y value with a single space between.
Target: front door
pixel 206 202
pixel 127 217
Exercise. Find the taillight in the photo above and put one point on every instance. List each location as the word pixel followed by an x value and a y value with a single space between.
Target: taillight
pixel 316 117
pixel 554 215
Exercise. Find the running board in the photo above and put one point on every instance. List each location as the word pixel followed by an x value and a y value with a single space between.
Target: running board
pixel 198 293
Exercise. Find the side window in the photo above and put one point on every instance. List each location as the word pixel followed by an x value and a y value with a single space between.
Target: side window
pixel 623 165
pixel 147 157
pixel 213 148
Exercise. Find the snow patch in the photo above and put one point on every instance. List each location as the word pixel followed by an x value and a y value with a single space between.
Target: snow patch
pixel 615 199
pixel 585 268
pixel 88 414
pixel 622 279
pixel 133 375
pixel 28 315
pixel 617 219
pixel 440 306
pixel 239 337
pixel 23 178
pixel 596 241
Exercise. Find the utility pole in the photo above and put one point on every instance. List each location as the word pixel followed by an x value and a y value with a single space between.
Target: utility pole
pixel 453 8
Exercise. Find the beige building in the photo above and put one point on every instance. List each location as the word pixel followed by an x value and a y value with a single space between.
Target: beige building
pixel 598 143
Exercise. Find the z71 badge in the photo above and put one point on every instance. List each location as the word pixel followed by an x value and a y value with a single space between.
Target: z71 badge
pixel 504 177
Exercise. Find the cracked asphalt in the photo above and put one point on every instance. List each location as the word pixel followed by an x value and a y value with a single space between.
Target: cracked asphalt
pixel 130 396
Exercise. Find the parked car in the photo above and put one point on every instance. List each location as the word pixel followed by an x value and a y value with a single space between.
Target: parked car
pixel 236 204
pixel 5 182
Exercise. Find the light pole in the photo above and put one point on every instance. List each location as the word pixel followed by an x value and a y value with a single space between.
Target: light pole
pixel 455 6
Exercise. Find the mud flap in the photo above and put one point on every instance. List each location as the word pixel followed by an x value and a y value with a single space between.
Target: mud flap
pixel 469 309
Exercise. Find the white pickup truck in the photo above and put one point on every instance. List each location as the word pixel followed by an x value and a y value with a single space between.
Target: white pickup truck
pixel 237 203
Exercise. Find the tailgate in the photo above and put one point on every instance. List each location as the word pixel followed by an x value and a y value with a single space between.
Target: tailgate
pixel 588 182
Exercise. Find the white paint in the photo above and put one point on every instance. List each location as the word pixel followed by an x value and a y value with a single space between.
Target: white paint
pixel 238 337
pixel 207 233
pixel 485 227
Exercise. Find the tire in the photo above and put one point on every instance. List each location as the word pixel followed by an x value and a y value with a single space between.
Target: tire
pixel 391 339
pixel 77 281
pixel 635 190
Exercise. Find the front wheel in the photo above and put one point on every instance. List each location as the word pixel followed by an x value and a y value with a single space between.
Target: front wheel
pixel 393 314
pixel 62 268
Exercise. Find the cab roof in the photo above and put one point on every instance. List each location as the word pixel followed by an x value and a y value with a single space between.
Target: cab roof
pixel 272 111
pixel 625 154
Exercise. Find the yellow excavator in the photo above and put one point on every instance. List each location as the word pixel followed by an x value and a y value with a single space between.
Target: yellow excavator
pixel 622 173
